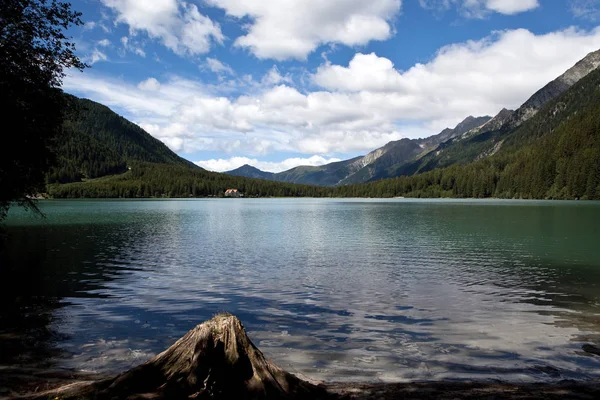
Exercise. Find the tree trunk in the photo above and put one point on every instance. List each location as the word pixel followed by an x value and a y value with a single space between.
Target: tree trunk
pixel 216 359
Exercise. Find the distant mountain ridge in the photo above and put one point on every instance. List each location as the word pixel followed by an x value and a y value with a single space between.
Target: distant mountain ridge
pixel 554 153
pixel 251 172
pixel 471 140
pixel 488 139
pixel 553 89
pixel 363 168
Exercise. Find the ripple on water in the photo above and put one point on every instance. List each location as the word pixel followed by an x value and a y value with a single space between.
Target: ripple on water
pixel 341 290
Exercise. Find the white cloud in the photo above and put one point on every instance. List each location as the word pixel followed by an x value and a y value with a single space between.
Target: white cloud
pixel 510 7
pixel 218 67
pixel 586 9
pixel 132 46
pixel 294 28
pixel 481 8
pixel 96 56
pixel 221 165
pixel 476 77
pixel 274 77
pixel 150 85
pixel 360 106
pixel 178 25
pixel 89 25
pixel 103 43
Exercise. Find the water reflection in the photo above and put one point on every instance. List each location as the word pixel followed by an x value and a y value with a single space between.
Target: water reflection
pixel 343 290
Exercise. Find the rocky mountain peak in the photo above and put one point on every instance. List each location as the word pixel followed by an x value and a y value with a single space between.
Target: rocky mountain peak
pixel 581 69
pixel 554 89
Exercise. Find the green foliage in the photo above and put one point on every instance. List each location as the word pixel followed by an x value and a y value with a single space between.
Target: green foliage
pixel 555 155
pixel 97 142
pixel 34 51
pixel 172 180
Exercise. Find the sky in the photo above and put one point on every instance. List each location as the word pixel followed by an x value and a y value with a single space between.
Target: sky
pixel 281 83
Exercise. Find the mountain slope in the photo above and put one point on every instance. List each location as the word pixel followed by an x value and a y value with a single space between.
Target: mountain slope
pixel 553 155
pixel 324 175
pixel 399 152
pixel 489 139
pixel 363 168
pixel 98 142
pixel 555 88
pixel 465 126
pixel 101 154
pixel 249 171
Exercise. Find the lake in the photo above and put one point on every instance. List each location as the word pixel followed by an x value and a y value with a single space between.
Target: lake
pixel 336 289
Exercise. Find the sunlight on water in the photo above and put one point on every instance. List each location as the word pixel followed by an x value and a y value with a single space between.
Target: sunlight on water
pixel 333 289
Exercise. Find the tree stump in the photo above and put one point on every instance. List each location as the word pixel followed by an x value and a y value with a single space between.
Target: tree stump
pixel 216 359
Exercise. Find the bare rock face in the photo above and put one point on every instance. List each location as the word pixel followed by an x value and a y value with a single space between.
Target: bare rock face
pixel 214 360
pixel 555 88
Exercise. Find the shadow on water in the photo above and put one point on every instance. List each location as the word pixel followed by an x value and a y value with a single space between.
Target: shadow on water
pixel 40 267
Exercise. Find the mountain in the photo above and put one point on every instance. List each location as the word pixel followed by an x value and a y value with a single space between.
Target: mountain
pixel 363 168
pixel 375 164
pixel 98 142
pixel 555 88
pixel 101 154
pixel 548 148
pixel 472 139
pixel 465 126
pixel 250 172
pixel 554 154
pixel 487 139
pixel 324 175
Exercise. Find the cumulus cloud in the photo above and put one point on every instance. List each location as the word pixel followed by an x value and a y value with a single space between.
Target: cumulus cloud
pixel 103 43
pixel 481 8
pixel 480 76
pixel 150 85
pixel 177 24
pixel 358 107
pixel 228 164
pixel 294 28
pixel 512 6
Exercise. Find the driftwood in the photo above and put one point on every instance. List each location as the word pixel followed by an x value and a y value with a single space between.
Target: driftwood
pixel 216 359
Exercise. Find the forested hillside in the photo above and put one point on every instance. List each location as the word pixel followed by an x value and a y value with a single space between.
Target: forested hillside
pixel 98 142
pixel 554 155
pixel 171 180
pixel 487 139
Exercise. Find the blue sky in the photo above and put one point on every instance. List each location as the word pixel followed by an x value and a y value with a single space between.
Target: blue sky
pixel 281 83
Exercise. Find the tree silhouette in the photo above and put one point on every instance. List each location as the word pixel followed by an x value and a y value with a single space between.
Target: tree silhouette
pixel 34 54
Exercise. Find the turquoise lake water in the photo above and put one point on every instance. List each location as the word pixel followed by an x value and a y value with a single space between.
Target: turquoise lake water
pixel 336 289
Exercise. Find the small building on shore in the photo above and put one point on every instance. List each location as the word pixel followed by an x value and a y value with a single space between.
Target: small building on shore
pixel 233 193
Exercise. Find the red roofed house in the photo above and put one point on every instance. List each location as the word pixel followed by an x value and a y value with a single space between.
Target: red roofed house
pixel 233 193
